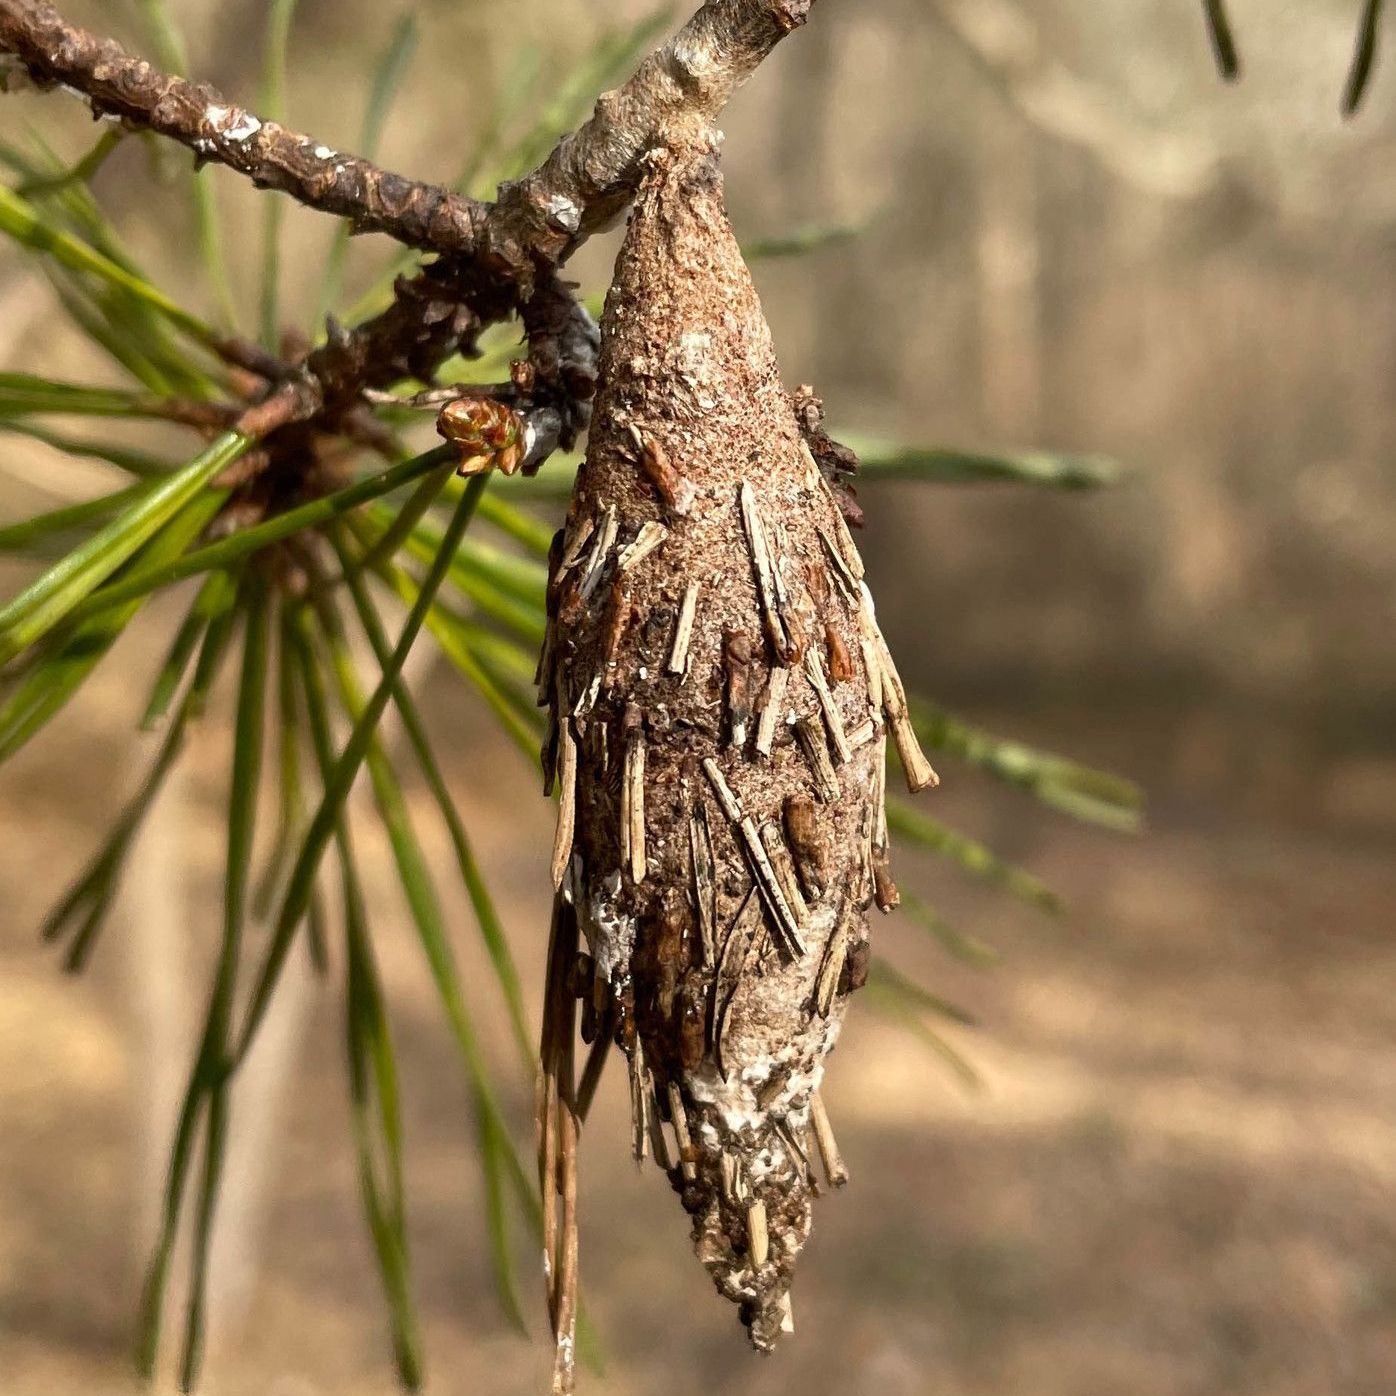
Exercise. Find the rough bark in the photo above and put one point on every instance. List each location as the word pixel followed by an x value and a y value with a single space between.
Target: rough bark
pixel 680 88
pixel 586 181
pixel 119 85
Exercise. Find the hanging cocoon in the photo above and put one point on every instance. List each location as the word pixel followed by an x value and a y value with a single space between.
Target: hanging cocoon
pixel 720 700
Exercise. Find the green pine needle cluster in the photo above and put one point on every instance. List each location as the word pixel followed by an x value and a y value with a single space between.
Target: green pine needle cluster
pixel 279 607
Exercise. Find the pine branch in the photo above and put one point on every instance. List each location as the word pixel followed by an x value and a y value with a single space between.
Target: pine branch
pixel 580 187
pixel 494 259
pixel 197 116
pixel 592 173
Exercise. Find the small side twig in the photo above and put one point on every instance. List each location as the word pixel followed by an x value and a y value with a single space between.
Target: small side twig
pixel 198 116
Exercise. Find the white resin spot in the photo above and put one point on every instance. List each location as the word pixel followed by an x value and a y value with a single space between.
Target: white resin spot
pixel 610 931
pixel 244 128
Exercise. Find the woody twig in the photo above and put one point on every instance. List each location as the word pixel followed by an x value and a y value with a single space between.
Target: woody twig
pixel 494 260
pixel 537 221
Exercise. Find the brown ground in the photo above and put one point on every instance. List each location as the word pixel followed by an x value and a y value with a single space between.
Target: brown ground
pixel 1177 1179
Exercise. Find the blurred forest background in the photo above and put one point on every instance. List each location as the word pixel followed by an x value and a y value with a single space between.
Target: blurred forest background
pixel 1177 1175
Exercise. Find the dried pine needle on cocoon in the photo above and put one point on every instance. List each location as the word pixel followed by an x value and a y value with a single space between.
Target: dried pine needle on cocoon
pixel 721 700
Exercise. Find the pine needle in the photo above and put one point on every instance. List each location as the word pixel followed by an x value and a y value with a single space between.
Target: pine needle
pixel 55 595
pixel 970 856
pixel 892 460
pixel 498 1158
pixel 487 918
pixel 272 100
pixel 1364 57
pixel 248 541
pixel 375 1115
pixel 1223 41
pixel 20 220
pixel 214 1066
pixel 908 1004
pixel 60 668
pixel 170 52
pixel 206 1092
pixel 351 759
pixel 1091 795
pixel 20 537
pixel 138 463
pixel 387 80
pixel 215 597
